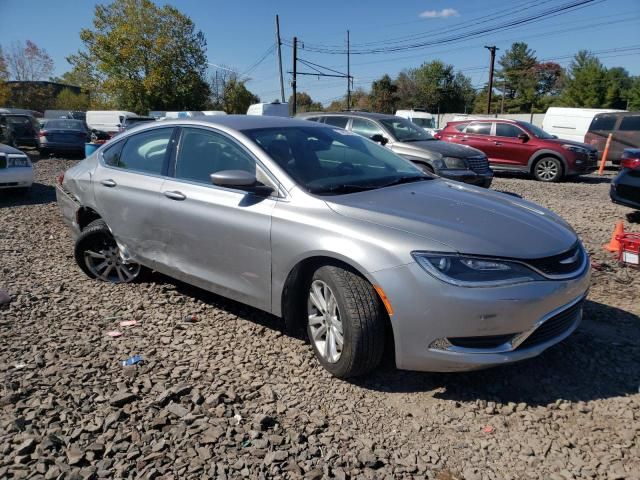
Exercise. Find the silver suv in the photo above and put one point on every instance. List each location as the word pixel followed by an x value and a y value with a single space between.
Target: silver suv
pixel 333 233
pixel 455 162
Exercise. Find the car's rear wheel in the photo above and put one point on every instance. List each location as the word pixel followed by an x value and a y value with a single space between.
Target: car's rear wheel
pixel 98 255
pixel 548 169
pixel 345 322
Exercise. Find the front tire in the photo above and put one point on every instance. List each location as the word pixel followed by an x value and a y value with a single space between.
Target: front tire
pixel 345 323
pixel 97 254
pixel 548 169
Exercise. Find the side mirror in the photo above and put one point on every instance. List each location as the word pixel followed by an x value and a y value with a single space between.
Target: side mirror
pixel 379 138
pixel 524 137
pixel 241 180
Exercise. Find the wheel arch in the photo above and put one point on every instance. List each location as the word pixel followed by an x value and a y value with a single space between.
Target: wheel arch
pixel 547 153
pixel 86 215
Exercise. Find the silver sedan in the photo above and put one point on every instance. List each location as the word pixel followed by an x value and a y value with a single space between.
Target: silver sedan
pixel 334 234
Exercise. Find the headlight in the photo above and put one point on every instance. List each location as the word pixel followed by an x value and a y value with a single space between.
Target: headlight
pixel 453 162
pixel 18 162
pixel 575 148
pixel 474 272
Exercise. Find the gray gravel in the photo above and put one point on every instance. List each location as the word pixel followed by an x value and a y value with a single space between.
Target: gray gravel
pixel 225 394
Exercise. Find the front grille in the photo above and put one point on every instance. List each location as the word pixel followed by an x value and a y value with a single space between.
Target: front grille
pixel 478 164
pixel 562 264
pixel 3 161
pixel 489 341
pixel 554 326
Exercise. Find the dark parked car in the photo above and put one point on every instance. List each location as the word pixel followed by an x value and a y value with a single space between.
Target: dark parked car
pixel 625 130
pixel 625 188
pixel 17 130
pixel 513 145
pixel 461 163
pixel 74 114
pixel 63 135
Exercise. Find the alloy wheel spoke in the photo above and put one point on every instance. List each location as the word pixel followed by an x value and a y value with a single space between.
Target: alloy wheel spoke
pixel 316 320
pixel 93 254
pixel 105 274
pixel 320 332
pixel 316 298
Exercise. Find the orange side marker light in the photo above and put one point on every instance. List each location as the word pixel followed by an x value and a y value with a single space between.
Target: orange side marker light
pixel 385 300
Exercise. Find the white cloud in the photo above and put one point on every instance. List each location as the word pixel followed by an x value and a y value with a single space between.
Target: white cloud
pixel 444 13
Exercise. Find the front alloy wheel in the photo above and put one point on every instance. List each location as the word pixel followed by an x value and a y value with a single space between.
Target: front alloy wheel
pixel 548 170
pixel 325 325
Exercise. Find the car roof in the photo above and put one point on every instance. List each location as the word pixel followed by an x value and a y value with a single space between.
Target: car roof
pixel 371 115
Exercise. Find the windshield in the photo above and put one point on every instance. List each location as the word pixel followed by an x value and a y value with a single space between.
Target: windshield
pixel 404 130
pixel 424 122
pixel 537 131
pixel 65 124
pixel 333 161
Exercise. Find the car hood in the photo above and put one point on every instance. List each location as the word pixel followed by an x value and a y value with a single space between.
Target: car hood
pixel 465 218
pixel 435 149
pixel 560 142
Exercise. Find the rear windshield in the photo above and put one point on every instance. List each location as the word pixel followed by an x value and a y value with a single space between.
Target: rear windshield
pixel 424 122
pixel 602 123
pixel 65 124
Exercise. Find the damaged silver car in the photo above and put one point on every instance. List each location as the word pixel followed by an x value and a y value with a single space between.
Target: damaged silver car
pixel 333 233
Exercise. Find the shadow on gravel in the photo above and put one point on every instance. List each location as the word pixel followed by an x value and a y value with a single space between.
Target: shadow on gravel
pixel 600 360
pixel 634 217
pixel 38 194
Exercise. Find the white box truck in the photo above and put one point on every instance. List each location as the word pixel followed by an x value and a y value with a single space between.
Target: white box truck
pixel 110 121
pixel 422 118
pixel 571 123
pixel 274 109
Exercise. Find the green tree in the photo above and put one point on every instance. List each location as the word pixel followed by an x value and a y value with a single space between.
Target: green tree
pixel 516 78
pixel 4 76
pixel 143 57
pixel 383 97
pixel 633 94
pixel 236 98
pixel 618 85
pixel 68 100
pixel 304 103
pixel 586 83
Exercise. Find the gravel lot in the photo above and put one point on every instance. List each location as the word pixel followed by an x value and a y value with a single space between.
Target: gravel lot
pixel 230 396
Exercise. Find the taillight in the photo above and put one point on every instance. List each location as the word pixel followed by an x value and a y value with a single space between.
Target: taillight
pixel 631 163
pixel 60 178
pixel 42 133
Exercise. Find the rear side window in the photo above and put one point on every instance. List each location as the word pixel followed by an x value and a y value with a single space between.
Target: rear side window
pixel 483 128
pixel 602 122
pixel 366 128
pixel 337 121
pixel 630 124
pixel 145 152
pixel 507 130
pixel 461 127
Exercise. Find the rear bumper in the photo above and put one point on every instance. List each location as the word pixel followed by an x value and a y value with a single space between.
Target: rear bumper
pixel 63 147
pixel 468 176
pixel 13 177
pixel 69 208
pixel 629 194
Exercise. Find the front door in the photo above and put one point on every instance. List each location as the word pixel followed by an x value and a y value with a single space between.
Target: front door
pixel 219 238
pixel 508 150
pixel 127 187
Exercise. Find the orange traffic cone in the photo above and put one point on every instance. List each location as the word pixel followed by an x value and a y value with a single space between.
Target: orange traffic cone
pixel 614 244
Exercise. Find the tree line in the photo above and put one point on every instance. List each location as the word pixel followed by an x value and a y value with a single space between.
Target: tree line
pixel 140 57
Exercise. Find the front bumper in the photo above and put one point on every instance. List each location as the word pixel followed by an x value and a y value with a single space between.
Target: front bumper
pixel 16 177
pixel 584 164
pixel 468 176
pixel 426 311
pixel 69 208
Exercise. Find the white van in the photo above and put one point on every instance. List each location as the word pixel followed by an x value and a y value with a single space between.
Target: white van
pixel 422 118
pixel 571 123
pixel 274 109
pixel 109 121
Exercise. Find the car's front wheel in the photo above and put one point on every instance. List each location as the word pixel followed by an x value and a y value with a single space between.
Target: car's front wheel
pixel 548 169
pixel 346 322
pixel 98 255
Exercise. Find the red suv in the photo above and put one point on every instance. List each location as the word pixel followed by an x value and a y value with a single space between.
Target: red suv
pixel 512 145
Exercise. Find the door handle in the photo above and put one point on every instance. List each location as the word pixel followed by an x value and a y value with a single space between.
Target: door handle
pixel 174 195
pixel 463 139
pixel 498 143
pixel 108 183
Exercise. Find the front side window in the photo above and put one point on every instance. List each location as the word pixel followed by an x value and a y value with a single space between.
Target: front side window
pixel 337 121
pixel 507 130
pixel 144 152
pixel 333 161
pixel 366 128
pixel 404 130
pixel 630 123
pixel 481 128
pixel 536 131
pixel 203 152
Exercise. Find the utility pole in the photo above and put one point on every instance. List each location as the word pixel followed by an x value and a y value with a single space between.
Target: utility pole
pixel 348 74
pixel 279 44
pixel 492 49
pixel 293 82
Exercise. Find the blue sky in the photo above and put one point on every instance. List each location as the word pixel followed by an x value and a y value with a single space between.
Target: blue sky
pixel 239 33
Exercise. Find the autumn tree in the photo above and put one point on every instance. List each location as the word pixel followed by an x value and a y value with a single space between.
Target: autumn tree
pixel 143 57
pixel 236 98
pixel 28 62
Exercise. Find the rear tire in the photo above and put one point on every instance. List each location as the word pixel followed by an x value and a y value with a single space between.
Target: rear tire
pixel 98 256
pixel 346 322
pixel 548 169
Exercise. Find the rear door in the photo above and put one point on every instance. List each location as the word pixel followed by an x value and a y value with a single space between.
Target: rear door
pixel 478 135
pixel 127 185
pixel 601 126
pixel 627 135
pixel 508 150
